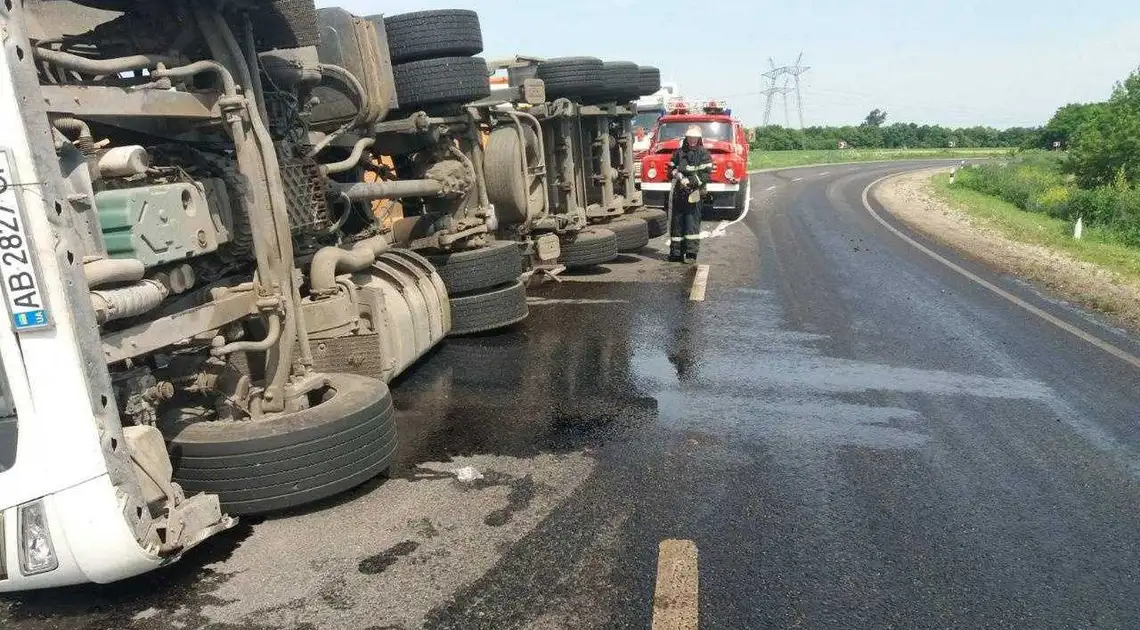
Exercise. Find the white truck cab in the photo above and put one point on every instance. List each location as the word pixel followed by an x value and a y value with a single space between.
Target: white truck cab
pixel 73 485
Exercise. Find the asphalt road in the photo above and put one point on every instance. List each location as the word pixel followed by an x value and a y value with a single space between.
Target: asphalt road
pixel 852 434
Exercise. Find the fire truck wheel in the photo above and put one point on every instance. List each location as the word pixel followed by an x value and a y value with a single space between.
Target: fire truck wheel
pixel 649 80
pixel 477 269
pixel 346 437
pixel 632 233
pixel 482 312
pixel 592 246
pixel 438 81
pixel 431 34
pixel 656 218
pixel 569 77
pixel 506 177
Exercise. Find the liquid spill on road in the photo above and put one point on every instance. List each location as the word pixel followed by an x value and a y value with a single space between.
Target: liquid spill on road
pixel 375 565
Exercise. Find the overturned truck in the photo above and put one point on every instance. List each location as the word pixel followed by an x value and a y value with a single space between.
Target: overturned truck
pixel 577 147
pixel 226 226
pixel 205 307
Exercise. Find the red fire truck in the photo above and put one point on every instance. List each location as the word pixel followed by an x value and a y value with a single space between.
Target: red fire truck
pixel 726 140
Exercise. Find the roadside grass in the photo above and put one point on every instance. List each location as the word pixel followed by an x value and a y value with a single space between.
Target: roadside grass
pixel 786 159
pixel 1097 246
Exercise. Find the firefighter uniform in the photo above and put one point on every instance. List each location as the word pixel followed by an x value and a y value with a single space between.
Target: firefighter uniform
pixel 692 168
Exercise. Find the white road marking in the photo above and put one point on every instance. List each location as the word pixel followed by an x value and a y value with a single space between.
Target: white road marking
pixel 700 284
pixel 1002 293
pixel 798 179
pixel 767 189
pixel 675 603
pixel 723 226
pixel 825 173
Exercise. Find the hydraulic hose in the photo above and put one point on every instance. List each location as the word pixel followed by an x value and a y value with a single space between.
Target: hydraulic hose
pixel 101 66
pixel 272 335
pixel 352 160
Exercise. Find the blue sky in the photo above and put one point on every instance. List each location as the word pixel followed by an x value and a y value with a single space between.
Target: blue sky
pixel 995 62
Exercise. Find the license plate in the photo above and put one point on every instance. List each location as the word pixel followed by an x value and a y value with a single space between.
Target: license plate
pixel 18 271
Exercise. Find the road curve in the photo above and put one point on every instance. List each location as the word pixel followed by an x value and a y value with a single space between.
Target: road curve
pixel 845 433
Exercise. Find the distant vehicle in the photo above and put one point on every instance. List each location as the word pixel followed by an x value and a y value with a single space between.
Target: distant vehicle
pixel 649 109
pixel 724 137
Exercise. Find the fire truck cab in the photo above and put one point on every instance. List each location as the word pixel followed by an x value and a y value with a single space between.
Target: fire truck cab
pixel 727 142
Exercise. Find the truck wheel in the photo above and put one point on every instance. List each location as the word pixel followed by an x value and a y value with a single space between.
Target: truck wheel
pixel 649 80
pixel 283 24
pixel 438 81
pixel 632 233
pixel 482 312
pixel 592 246
pixel 655 218
pixel 282 461
pixel 571 76
pixel 620 81
pixel 476 269
pixel 506 179
pixel 431 34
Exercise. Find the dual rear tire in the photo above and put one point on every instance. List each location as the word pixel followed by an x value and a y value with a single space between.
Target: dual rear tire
pixel 433 57
pixel 483 287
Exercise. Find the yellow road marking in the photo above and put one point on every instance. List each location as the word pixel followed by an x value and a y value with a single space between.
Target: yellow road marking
pixel 700 283
pixel 1059 323
pixel 675 599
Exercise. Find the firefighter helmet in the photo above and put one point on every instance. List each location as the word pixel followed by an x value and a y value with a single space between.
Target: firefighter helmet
pixel 693 131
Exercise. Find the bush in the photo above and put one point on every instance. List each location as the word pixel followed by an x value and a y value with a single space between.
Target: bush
pixel 1035 181
pixel 1022 182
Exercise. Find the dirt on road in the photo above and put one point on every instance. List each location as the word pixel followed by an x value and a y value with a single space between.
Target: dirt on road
pixel 912 199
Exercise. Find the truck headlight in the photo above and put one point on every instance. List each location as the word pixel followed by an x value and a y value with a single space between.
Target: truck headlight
pixel 651 173
pixel 37 554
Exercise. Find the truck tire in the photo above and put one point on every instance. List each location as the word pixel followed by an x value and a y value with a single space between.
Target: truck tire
pixel 431 34
pixel 506 179
pixel 569 77
pixel 483 312
pixel 620 81
pixel 592 246
pixel 283 24
pixel 656 219
pixel 477 269
pixel 649 80
pixel 437 81
pixel 289 459
pixel 632 233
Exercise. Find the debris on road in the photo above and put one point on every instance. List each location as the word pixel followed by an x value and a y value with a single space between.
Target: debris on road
pixel 468 474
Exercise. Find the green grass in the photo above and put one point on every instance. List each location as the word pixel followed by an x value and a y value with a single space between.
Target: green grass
pixel 785 159
pixel 1097 246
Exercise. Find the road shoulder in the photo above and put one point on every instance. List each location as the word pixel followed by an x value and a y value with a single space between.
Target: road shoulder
pixel 912 199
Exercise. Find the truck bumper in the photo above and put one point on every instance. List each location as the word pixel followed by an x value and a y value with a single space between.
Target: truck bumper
pixel 90 537
pixel 656 194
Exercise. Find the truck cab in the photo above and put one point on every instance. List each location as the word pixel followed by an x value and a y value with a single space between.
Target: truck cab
pixel 726 140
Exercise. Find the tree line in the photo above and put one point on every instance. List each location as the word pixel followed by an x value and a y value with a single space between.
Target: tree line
pixel 874 133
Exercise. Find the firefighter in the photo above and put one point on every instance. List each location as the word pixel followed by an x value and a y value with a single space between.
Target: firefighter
pixel 692 169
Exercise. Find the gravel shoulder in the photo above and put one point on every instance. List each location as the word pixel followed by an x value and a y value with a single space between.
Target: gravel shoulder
pixel 912 199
